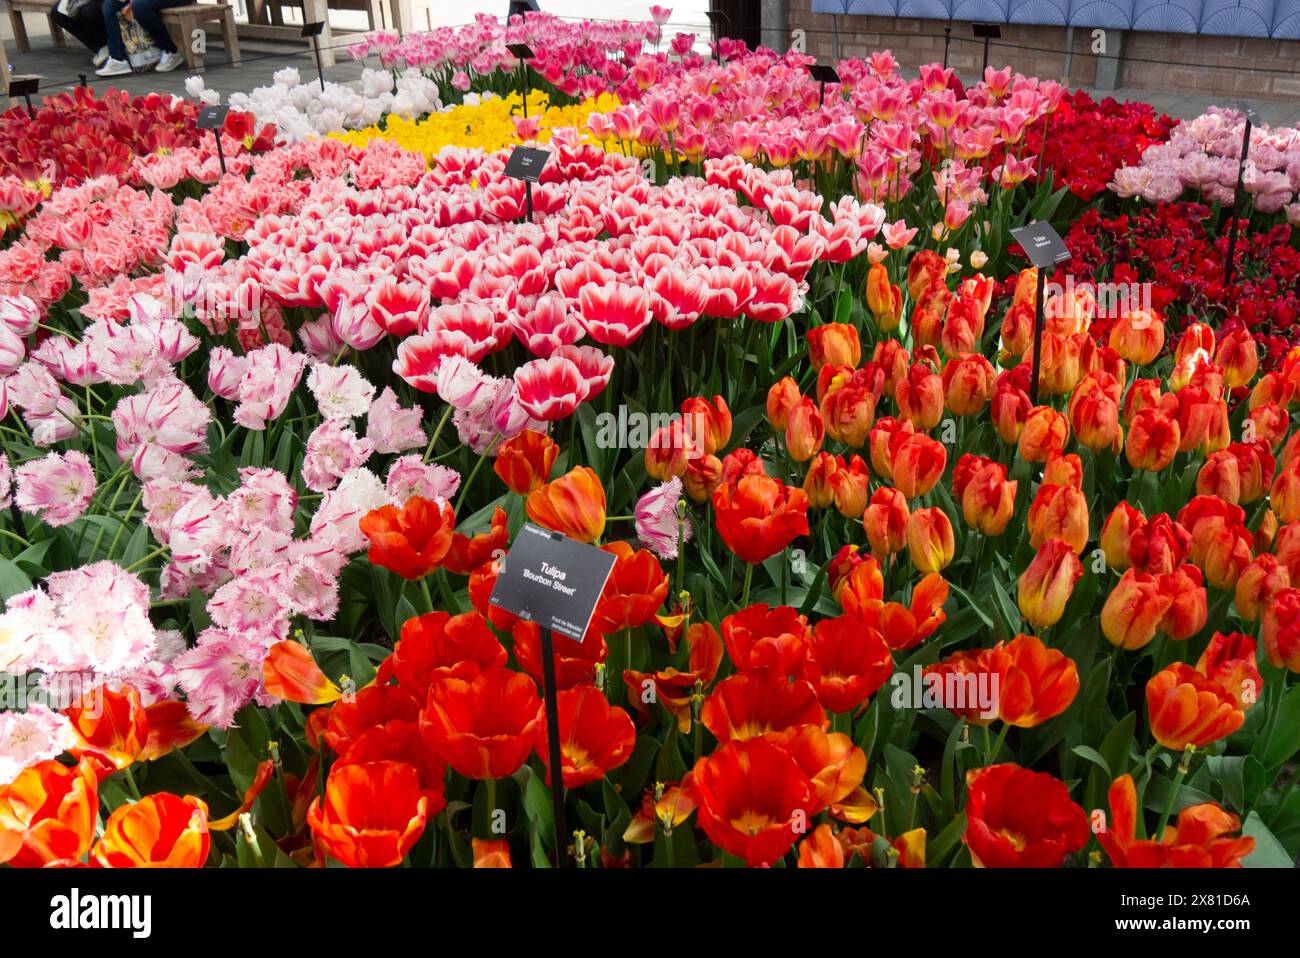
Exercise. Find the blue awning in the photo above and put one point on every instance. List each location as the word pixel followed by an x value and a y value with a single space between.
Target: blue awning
pixel 1278 19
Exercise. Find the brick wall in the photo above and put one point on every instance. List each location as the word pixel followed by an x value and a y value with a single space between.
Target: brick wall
pixel 1229 62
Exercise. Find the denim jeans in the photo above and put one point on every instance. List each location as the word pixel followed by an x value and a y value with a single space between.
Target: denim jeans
pixel 149 15
pixel 112 34
pixel 87 26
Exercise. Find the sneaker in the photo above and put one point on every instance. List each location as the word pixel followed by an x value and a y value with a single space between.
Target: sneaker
pixel 100 58
pixel 114 68
pixel 170 61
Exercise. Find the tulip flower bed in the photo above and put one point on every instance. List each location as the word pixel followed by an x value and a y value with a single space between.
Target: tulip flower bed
pixel 269 438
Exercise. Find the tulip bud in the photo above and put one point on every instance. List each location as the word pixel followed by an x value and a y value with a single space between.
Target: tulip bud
pixel 1153 439
pixel 884 300
pixel 1138 336
pixel 1238 355
pixel 805 430
pixel 885 521
pixel 1059 512
pixel 918 463
pixel 1281 630
pixel 1044 434
pixel 1259 583
pixel 968 382
pixel 669 451
pixel 708 423
pixel 1132 612
pixel 988 499
pixel 850 486
pixel 1187 611
pixel 524 461
pixel 781 398
pixel 892 358
pixel 834 343
pixel 1284 496
pixel 817 482
pixel 1010 409
pixel 1046 585
pixel 930 541
pixel 920 397
pixel 1117 534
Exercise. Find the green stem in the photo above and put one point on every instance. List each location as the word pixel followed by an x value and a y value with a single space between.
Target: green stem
pixel 428 450
pixel 749 576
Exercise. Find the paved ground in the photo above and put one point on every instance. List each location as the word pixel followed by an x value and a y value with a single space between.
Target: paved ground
pixel 61 67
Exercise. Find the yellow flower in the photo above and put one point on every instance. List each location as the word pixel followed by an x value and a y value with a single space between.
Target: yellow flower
pixel 488 125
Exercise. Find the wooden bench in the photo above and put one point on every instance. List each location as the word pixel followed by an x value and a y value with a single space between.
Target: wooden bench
pixel 16 10
pixel 183 23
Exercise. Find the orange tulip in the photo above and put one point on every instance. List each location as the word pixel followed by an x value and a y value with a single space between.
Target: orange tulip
pixel 753 704
pixel 575 662
pixel 1199 838
pixel 885 521
pixel 1138 336
pixel 159 831
pixel 439 643
pixel 491 853
pixel 1036 683
pixel 849 411
pixel 817 481
pixel 675 689
pixel 834 343
pixel 1059 512
pixel 1046 585
pixel 781 398
pixel 822 849
pixel 371 816
pixel 849 488
pixel 884 300
pixel 483 727
pixel 758 516
pixel 573 504
pixel 524 461
pixel 1017 818
pixel 917 464
pixel 1010 409
pixel 1186 708
pixel 49 813
pixel 968 382
pixel 1153 439
pixel 1230 661
pixel 634 592
pixel 467 553
pixel 847 663
pixel 1258 584
pixel 671 450
pixel 595 737
pixel 1281 630
pixel 411 541
pixel 707 422
pixel 762 638
pixel 1117 534
pixel 987 497
pixel 1044 434
pixel 289 672
pixel 111 726
pixel 920 396
pixel 752 798
pixel 805 430
pixel 1284 496
pixel 1238 355
pixel 1134 610
pixel 930 541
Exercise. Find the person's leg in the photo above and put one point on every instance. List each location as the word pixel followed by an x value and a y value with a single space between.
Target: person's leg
pixel 149 15
pixel 87 26
pixel 112 34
